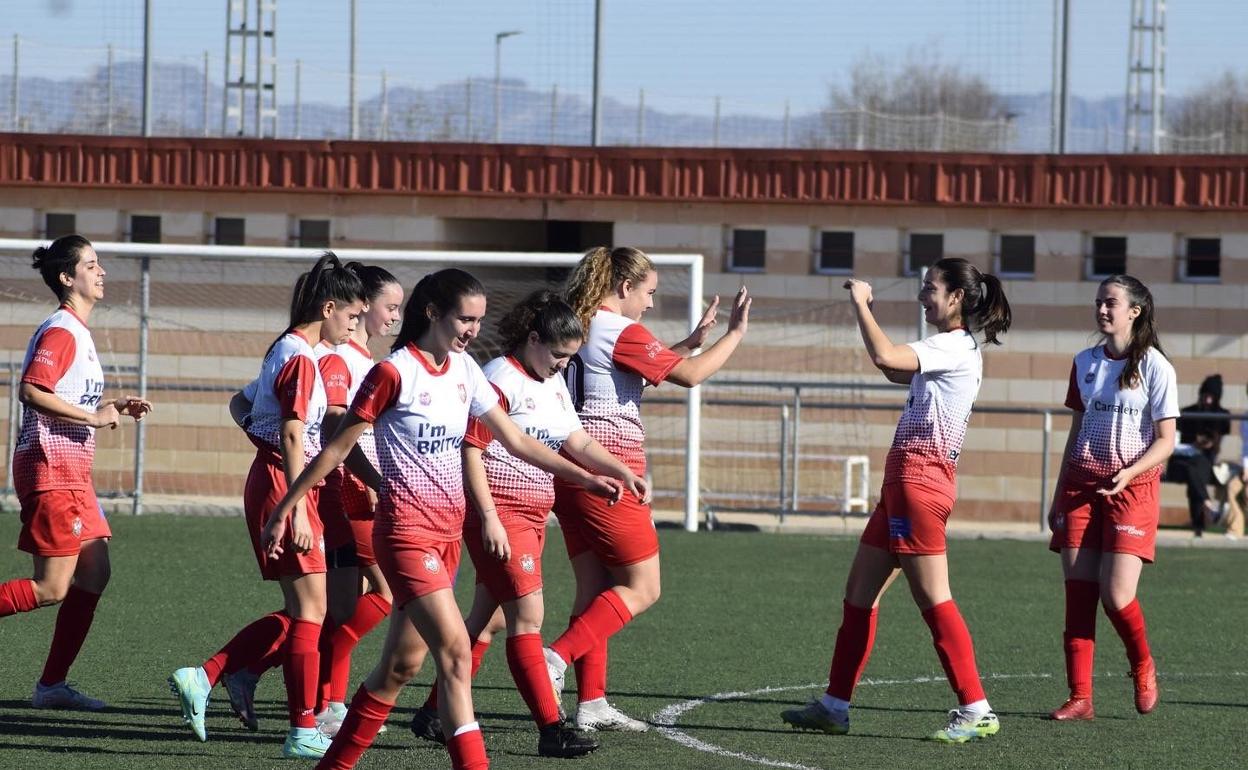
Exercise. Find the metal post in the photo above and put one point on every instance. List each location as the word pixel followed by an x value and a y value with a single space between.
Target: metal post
pixel 715 125
pixel 468 110
pixel 147 68
pixel 1045 442
pixel 206 83
pixel 641 116
pixel 595 133
pixel 385 108
pixel 787 123
pixel 795 487
pixel 140 433
pixel 108 119
pixel 260 72
pixel 554 111
pixel 15 417
pixel 693 401
pixel 14 91
pixel 298 98
pixel 1064 92
pixel 784 456
pixel 921 331
pixel 351 95
pixel 499 37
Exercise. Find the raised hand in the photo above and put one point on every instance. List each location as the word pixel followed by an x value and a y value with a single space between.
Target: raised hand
pixel 859 292
pixel 739 320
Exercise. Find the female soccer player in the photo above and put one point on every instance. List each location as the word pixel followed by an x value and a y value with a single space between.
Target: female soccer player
pixel 906 532
pixel 63 526
pixel 288 404
pixel 615 553
pixel 1104 514
pixel 418 400
pixel 505 529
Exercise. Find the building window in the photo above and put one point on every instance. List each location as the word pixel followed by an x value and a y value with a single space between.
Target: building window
pixel 229 231
pixel 314 233
pixel 925 250
pixel 144 229
pixel 1016 256
pixel 1201 261
pixel 58 225
pixel 1108 256
pixel 836 253
pixel 748 252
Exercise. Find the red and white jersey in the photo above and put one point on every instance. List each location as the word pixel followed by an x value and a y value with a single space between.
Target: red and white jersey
pixel 52 453
pixel 1118 425
pixel 288 387
pixel 542 409
pixel 343 368
pixel 419 415
pixel 606 379
pixel 929 435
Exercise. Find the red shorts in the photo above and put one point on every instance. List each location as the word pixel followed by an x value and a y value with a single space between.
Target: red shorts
pixel 362 531
pixel 909 519
pixel 56 522
pixel 355 500
pixel 618 535
pixel 415 567
pixel 332 512
pixel 1124 523
pixel 266 486
pixel 518 576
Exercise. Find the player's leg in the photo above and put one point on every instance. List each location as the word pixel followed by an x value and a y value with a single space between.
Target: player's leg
pixel 1120 576
pixel 485 618
pixel 306 605
pixel 91 572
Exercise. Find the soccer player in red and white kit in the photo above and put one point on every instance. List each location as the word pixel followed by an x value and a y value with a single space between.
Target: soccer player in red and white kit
pixel 288 404
pixel 63 526
pixel 418 401
pixel 505 530
pixel 906 533
pixel 615 552
pixel 1105 510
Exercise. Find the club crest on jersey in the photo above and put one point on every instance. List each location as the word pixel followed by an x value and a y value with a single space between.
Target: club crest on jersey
pixel 77 527
pixel 463 393
pixel 528 404
pixel 432 565
pixel 653 348
pixel 527 563
pixel 91 354
pixel 559 398
pixel 426 399
pixel 321 544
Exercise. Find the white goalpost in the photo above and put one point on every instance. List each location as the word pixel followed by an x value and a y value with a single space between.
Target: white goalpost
pixel 187 319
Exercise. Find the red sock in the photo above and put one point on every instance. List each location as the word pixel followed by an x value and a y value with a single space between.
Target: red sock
pixel 371 609
pixel 73 621
pixel 591 674
pixel 953 645
pixel 365 717
pixel 467 751
pixel 1079 639
pixel 853 648
pixel 325 656
pixel 604 616
pixel 250 645
pixel 17 596
pixel 1129 623
pixel 478 653
pixel 528 669
pixel 301 666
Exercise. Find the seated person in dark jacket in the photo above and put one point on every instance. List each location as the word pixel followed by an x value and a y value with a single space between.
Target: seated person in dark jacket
pixel 1200 438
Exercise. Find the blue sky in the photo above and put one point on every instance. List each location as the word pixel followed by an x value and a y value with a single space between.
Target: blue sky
pixel 683 51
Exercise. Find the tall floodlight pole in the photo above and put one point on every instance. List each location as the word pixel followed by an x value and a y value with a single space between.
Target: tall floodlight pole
pixel 1064 91
pixel 595 138
pixel 351 94
pixel 498 81
pixel 147 68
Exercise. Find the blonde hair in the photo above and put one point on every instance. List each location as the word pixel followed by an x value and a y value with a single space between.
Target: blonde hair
pixel 598 273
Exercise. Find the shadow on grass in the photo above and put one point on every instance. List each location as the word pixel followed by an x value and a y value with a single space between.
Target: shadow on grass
pixel 1206 703
pixel 70 748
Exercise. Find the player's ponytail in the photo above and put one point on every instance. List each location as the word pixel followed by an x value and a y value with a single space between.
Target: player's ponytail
pixel 1143 328
pixel 543 312
pixel 59 257
pixel 328 280
pixel 984 306
pixel 435 295
pixel 374 279
pixel 598 273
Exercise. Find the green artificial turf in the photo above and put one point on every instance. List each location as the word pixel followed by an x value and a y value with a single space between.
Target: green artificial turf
pixel 741 613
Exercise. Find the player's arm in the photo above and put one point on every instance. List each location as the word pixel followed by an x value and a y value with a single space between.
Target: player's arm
pixel 697 338
pixel 493 536
pixel 694 370
pixel 538 454
pixel 34 397
pixel 357 462
pixel 884 354
pixel 240 409
pixel 581 447
pixel 900 378
pixel 1157 453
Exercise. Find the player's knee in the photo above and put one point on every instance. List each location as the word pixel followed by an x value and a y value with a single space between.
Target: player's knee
pixel 1115 598
pixel 404 668
pixel 455 662
pixel 49 592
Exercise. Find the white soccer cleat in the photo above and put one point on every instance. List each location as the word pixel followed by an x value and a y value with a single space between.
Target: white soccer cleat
pixel 63 696
pixel 597 714
pixel 555 669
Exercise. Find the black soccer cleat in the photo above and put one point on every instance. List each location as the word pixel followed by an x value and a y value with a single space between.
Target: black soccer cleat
pixel 426 725
pixel 560 740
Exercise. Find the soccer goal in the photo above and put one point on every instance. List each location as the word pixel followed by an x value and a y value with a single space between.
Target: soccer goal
pixel 187 325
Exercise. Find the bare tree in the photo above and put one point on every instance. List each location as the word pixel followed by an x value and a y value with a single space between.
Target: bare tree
pixel 1216 111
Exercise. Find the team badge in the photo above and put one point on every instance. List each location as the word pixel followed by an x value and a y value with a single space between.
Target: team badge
pixel 77 527
pixel 559 397
pixel 425 399
pixel 463 393
pixel 91 354
pixel 321 545
pixel 527 563
pixel 653 348
pixel 528 404
pixel 431 563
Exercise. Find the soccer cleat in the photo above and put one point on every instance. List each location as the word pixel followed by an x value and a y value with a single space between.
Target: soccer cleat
pixel 1146 694
pixel 555 669
pixel 337 712
pixel 560 740
pixel 306 743
pixel 427 725
pixel 1074 709
pixel 63 696
pixel 241 686
pixel 964 726
pixel 816 716
pixel 597 714
pixel 191 686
